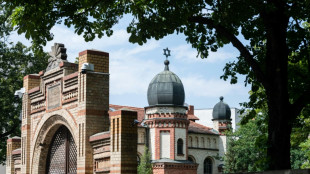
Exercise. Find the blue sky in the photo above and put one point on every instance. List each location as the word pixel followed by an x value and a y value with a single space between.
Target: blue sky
pixel 132 67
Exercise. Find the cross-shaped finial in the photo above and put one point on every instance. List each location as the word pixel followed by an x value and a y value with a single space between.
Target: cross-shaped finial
pixel 167 52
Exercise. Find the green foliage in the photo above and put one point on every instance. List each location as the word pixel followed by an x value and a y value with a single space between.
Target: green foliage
pixel 298 157
pixel 306 149
pixel 16 61
pixel 246 150
pixel 145 166
pixel 301 128
pixel 247 147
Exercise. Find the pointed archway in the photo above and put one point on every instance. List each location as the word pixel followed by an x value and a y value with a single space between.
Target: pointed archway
pixel 62 154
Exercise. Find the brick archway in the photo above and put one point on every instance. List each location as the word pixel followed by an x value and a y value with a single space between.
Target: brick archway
pixel 43 135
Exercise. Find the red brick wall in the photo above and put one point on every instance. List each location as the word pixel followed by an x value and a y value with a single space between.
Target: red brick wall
pixel 174 168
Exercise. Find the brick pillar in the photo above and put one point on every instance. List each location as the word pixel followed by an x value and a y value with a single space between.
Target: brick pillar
pixel 30 81
pixel 123 142
pixel 12 144
pixel 98 58
pixel 93 107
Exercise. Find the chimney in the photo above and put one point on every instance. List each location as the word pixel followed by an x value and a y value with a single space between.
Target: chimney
pixel 190 110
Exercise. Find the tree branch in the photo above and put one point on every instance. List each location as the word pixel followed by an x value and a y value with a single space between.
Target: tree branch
pixel 236 43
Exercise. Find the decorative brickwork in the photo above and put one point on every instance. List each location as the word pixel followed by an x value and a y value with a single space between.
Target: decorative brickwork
pixel 98 58
pixel 123 142
pixel 12 144
pixel 101 152
pixel 62 97
pixel 168 119
pixel 174 168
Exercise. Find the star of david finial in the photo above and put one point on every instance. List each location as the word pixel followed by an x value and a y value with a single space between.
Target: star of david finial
pixel 167 53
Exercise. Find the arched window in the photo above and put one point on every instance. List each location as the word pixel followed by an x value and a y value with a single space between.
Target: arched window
pixel 207 166
pixel 180 147
pixel 190 142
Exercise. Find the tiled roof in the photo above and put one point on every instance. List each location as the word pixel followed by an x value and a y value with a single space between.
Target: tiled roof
pixel 192 117
pixel 198 128
pixel 140 111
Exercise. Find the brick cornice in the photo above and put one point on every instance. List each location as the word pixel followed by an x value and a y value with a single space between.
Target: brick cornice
pixel 94 52
pixel 123 112
pixel 32 76
pixel 99 137
pixel 14 139
pixel 34 89
pixel 70 76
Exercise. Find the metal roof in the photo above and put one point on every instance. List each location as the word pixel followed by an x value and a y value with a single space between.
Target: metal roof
pixel 221 111
pixel 166 88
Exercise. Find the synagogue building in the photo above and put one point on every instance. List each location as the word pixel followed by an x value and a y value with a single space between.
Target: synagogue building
pixel 69 126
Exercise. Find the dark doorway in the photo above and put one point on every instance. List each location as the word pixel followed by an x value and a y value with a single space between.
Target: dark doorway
pixel 62 157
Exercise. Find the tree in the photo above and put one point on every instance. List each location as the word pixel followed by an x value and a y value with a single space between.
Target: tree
pixel 272 37
pixel 246 147
pixel 145 166
pixel 16 61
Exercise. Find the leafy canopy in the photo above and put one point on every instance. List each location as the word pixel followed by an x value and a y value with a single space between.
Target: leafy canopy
pixel 16 61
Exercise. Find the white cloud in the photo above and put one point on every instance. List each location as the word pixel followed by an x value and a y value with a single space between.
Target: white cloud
pixel 188 54
pixel 130 72
pixel 196 85
pixel 151 45
pixel 75 43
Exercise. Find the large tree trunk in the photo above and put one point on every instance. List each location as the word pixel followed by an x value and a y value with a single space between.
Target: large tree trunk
pixel 280 126
pixel 279 131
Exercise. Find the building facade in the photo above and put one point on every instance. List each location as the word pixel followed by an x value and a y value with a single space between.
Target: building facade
pixel 69 126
